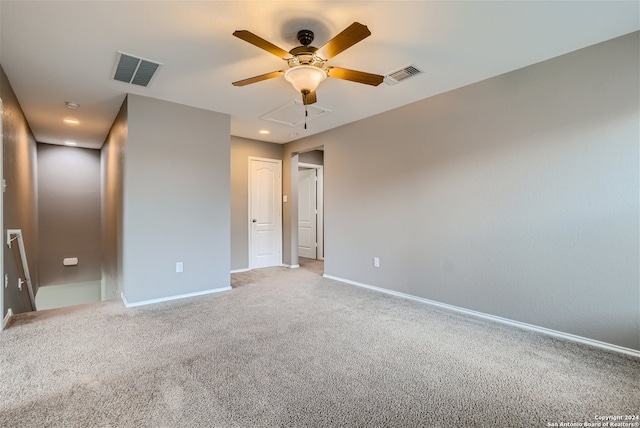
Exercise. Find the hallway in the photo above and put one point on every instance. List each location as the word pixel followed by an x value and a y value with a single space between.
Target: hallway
pixel 239 279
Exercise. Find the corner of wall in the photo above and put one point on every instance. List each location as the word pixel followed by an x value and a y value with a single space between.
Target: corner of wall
pixel 20 209
pixel 111 165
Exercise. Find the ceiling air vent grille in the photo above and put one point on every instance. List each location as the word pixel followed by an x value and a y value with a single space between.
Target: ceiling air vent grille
pixel 402 74
pixel 134 70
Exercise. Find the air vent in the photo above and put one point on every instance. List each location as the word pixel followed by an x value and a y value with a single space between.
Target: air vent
pixel 402 74
pixel 134 70
pixel 292 113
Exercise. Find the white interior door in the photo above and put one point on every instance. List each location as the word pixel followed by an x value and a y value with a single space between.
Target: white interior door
pixel 265 213
pixel 307 214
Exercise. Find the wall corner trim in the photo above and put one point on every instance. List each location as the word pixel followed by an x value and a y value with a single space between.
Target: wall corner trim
pixel 166 299
pixel 538 329
pixel 7 318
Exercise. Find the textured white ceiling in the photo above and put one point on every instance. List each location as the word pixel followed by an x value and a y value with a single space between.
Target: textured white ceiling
pixel 55 51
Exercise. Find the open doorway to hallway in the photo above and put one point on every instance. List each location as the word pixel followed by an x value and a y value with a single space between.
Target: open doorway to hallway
pixel 315 266
pixel 70 247
pixel 274 273
pixel 310 205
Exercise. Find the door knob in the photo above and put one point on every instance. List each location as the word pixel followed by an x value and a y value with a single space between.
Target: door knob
pixel 254 220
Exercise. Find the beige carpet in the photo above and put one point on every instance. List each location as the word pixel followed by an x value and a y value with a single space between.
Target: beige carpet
pixel 288 348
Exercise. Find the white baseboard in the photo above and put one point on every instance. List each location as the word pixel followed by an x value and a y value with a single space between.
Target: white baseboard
pixel 166 299
pixel 291 266
pixel 7 318
pixel 531 327
pixel 240 270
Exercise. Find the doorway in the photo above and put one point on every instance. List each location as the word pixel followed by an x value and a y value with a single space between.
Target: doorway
pixel 310 211
pixel 2 218
pixel 265 212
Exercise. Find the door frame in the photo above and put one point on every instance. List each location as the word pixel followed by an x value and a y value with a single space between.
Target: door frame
pixel 319 205
pixel 277 201
pixel 2 288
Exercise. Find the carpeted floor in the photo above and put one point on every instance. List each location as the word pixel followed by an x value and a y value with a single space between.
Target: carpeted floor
pixel 286 347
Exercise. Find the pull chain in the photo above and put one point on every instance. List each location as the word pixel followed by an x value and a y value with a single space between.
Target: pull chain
pixel 306 113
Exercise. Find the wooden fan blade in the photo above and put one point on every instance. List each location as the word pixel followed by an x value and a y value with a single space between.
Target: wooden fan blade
pixel 347 38
pixel 249 37
pixel 355 76
pixel 260 78
pixel 309 98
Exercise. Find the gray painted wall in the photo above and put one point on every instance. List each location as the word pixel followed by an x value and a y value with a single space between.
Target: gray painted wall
pixel 176 200
pixel 20 207
pixel 69 217
pixel 241 150
pixel 314 157
pixel 111 171
pixel 517 196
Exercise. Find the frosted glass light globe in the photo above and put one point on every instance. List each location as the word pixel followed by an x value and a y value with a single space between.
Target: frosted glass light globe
pixel 305 77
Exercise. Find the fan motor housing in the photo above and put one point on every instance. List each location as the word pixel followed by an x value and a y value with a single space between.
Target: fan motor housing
pixel 304 57
pixel 305 54
pixel 302 50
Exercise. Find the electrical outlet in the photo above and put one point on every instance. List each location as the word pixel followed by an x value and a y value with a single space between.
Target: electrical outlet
pixel 6 280
pixel 179 267
pixel 376 262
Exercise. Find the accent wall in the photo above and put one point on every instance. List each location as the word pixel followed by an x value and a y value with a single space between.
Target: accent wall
pixel 69 214
pixel 517 196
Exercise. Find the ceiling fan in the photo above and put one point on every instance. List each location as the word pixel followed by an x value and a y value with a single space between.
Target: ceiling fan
pixel 307 63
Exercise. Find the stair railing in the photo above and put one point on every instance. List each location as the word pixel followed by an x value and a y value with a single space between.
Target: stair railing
pixel 17 236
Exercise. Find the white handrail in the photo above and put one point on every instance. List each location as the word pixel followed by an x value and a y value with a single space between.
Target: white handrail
pixel 23 258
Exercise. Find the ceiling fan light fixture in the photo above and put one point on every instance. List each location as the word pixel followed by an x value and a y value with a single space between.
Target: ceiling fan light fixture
pixel 305 78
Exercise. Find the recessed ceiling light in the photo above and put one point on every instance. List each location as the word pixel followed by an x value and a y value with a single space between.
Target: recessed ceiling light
pixel 70 121
pixel 264 131
pixel 70 143
pixel 71 105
